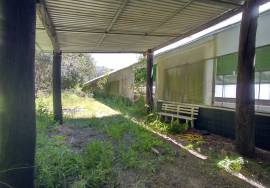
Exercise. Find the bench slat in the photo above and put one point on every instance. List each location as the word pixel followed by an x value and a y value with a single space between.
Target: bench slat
pixel 177 116
pixel 186 106
pixel 182 112
pixel 179 109
pixel 176 106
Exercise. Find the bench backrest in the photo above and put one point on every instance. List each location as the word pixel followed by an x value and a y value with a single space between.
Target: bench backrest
pixel 180 109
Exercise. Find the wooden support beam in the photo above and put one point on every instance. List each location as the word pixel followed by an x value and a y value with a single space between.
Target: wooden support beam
pixel 47 23
pixel 57 99
pixel 149 81
pixel 17 97
pixel 245 101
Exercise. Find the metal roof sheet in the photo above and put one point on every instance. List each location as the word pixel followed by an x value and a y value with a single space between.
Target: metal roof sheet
pixel 127 25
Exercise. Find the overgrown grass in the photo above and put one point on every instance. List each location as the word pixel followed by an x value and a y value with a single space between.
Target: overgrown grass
pixel 125 106
pixel 128 147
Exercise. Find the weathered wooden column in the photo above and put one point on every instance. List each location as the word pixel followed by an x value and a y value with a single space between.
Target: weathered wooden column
pixel 245 101
pixel 17 100
pixel 149 81
pixel 57 100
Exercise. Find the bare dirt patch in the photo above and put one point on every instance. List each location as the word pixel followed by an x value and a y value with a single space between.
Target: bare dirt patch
pixel 78 137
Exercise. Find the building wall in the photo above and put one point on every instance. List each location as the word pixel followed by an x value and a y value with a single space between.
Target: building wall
pixel 119 83
pixel 175 72
pixel 221 121
pixel 187 75
pixel 227 41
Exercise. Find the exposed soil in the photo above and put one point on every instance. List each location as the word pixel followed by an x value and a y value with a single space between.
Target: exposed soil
pixel 184 170
pixel 78 137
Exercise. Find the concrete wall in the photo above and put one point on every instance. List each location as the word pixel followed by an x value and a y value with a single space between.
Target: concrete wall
pixel 119 83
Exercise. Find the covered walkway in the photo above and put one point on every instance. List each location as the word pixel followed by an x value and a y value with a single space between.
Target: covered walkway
pixel 103 26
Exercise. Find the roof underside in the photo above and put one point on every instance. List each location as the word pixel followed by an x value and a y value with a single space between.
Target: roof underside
pixel 126 26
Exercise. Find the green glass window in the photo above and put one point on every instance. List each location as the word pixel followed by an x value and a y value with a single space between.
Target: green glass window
pixel 227 64
pixel 263 59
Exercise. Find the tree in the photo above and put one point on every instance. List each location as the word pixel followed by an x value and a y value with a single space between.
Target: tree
pixel 77 69
pixel 43 76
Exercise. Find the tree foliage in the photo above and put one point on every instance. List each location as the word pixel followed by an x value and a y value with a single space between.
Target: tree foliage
pixel 76 70
pixel 43 72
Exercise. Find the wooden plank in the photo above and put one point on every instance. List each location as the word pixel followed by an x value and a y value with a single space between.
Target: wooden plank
pixel 180 110
pixel 177 116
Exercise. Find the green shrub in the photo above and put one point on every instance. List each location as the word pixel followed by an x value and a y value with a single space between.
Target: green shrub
pixel 176 128
pixel 232 165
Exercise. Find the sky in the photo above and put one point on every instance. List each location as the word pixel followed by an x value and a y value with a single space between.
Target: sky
pixel 118 61
pixel 115 60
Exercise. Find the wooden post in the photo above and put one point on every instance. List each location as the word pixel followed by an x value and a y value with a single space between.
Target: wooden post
pixel 245 101
pixel 17 96
pixel 57 101
pixel 149 81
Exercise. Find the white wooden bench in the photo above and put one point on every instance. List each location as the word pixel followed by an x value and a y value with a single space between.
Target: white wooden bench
pixel 187 112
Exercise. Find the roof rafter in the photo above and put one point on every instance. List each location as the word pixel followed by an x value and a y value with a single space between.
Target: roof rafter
pixel 224 3
pixel 115 18
pixel 214 2
pixel 172 16
pixel 47 23
pixel 115 33
pixel 202 27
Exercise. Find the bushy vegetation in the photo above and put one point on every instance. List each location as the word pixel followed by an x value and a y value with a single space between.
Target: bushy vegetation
pixel 128 146
pixel 59 166
pixel 76 70
pixel 125 146
pixel 231 164
pixel 172 128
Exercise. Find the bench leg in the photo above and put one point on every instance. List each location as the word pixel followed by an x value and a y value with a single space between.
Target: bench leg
pixel 187 122
pixel 192 124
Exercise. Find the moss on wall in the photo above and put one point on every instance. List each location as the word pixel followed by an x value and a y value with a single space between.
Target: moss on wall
pixel 184 83
pixel 182 74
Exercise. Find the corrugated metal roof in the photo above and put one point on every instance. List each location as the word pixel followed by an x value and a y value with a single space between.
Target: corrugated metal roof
pixel 130 25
